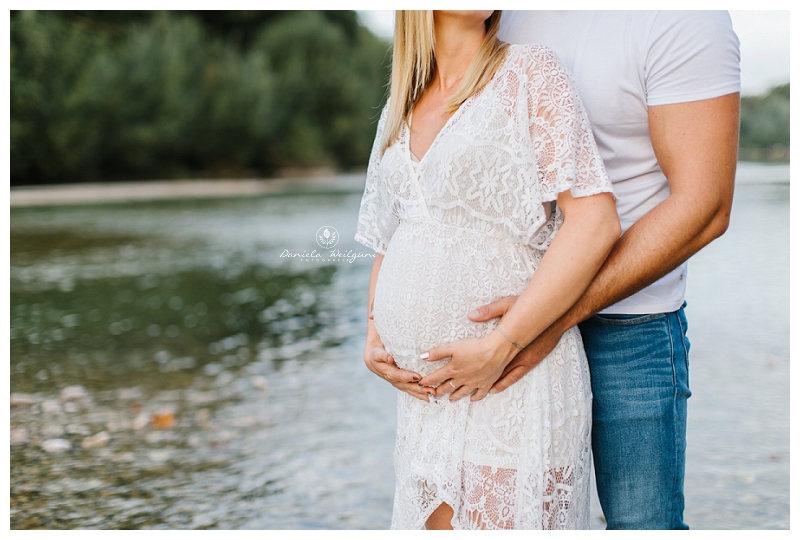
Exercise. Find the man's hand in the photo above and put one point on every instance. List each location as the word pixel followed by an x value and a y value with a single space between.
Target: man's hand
pixel 528 359
pixel 495 310
pixel 382 364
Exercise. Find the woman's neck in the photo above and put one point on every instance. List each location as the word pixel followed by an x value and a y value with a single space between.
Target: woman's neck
pixel 457 41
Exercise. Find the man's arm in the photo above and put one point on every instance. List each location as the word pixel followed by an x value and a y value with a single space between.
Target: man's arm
pixel 696 144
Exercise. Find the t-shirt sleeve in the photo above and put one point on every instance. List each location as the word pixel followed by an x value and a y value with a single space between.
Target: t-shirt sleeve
pixel 377 218
pixel 566 154
pixel 691 55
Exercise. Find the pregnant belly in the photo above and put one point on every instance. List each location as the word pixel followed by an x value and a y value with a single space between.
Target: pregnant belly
pixel 425 289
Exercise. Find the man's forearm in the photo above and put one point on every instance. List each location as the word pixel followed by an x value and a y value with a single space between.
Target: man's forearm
pixel 655 245
pixel 696 146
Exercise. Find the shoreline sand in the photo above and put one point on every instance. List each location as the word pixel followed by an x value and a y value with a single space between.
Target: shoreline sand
pixel 152 190
pixel 159 190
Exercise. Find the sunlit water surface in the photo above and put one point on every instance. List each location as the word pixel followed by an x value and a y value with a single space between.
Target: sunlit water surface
pixel 228 391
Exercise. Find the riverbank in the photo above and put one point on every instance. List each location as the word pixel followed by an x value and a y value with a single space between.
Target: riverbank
pixel 154 190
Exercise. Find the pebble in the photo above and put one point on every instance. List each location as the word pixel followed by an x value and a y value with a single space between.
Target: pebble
pixel 78 429
pixel 97 440
pixel 123 457
pixel 141 421
pixel 74 393
pixel 198 397
pixel 226 436
pixel 155 437
pixel 169 395
pixel 104 453
pixel 56 446
pixel 212 369
pixel 19 399
pixel 53 430
pixel 106 395
pixel 224 378
pixel 18 436
pixel 163 420
pixel 70 407
pixel 259 383
pixel 160 456
pixel 194 440
pixel 122 425
pixel 202 417
pixel 773 361
pixel 130 393
pixel 51 406
pixel 244 421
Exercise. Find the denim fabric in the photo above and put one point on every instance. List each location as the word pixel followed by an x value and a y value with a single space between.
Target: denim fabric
pixel 639 366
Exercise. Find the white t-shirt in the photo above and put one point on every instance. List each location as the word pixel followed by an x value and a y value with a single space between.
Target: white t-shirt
pixel 623 62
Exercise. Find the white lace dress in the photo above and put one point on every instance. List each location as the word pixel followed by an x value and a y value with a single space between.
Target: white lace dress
pixel 465 226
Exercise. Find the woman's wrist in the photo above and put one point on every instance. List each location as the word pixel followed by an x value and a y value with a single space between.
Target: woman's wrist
pixel 373 339
pixel 501 346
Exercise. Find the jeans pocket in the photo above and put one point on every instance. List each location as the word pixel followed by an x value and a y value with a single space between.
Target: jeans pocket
pixel 627 320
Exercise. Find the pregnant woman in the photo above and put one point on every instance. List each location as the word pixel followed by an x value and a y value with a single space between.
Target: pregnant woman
pixel 484 182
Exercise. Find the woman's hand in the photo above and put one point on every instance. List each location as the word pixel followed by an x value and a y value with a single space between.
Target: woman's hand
pixel 376 358
pixel 474 366
pixel 533 354
pixel 382 364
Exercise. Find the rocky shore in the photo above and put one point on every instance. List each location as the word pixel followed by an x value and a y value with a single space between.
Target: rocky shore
pixel 102 452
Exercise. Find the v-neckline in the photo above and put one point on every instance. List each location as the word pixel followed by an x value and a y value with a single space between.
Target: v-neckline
pixel 449 121
pixel 452 118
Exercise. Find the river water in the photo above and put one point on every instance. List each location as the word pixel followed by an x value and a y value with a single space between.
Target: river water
pixel 170 369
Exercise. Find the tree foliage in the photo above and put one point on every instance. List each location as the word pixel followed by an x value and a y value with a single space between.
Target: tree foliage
pixel 122 95
pixel 105 95
pixel 765 119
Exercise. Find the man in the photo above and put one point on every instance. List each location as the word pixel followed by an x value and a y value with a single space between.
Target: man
pixel 662 93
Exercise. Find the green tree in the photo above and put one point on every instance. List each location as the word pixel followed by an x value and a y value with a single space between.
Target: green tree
pixel 106 95
pixel 765 119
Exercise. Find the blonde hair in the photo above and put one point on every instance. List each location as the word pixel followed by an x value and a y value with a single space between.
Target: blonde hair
pixel 414 64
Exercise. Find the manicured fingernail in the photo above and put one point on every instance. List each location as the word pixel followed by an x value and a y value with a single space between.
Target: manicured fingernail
pixel 416 379
pixel 473 314
pixel 492 391
pixel 425 355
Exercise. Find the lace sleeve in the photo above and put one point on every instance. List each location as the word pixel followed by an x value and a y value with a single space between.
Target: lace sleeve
pixel 566 153
pixel 377 219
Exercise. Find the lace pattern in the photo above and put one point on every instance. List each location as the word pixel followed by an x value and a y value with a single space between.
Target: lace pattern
pixel 467 225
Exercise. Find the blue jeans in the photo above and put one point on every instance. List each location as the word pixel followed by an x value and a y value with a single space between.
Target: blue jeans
pixel 639 366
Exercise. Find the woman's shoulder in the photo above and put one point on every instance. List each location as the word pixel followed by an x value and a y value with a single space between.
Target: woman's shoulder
pixel 539 66
pixel 533 55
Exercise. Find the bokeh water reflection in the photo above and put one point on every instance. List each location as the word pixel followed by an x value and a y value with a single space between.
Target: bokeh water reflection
pixel 169 369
